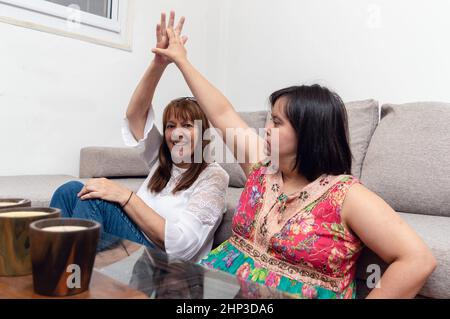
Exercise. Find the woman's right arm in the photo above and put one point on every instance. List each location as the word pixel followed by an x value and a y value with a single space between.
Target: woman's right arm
pixel 141 101
pixel 215 105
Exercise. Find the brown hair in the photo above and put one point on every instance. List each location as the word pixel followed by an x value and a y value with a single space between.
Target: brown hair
pixel 186 109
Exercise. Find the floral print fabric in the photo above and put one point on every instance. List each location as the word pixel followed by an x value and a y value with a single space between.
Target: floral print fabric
pixel 296 242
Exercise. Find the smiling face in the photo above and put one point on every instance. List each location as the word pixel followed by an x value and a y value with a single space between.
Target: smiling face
pixel 181 130
pixel 181 135
pixel 286 142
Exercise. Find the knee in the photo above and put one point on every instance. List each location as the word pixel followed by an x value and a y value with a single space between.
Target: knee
pixel 69 188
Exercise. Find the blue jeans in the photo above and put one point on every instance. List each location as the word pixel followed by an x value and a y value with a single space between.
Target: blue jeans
pixel 110 215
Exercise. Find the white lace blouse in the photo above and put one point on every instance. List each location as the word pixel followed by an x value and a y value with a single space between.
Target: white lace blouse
pixel 192 215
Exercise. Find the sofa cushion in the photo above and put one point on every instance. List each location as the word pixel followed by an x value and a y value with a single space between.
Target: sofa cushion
pixel 435 232
pixel 37 188
pixel 223 232
pixel 111 162
pixel 408 162
pixel 363 117
pixel 255 120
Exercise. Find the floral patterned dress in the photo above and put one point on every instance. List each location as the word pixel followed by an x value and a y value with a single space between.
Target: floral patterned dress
pixel 297 243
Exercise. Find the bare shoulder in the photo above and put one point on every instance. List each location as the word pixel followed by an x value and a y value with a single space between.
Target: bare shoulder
pixel 360 198
pixel 359 194
pixel 364 207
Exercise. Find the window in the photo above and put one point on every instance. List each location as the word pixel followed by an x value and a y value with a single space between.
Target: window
pixel 101 8
pixel 105 22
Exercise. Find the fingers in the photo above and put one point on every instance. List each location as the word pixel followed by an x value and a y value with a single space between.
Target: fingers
pixel 184 39
pixel 171 19
pixel 162 52
pixel 180 25
pixel 83 191
pixel 163 24
pixel 91 185
pixel 158 33
pixel 173 36
pixel 91 195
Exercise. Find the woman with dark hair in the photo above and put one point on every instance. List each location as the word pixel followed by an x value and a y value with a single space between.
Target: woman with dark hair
pixel 300 226
pixel 181 203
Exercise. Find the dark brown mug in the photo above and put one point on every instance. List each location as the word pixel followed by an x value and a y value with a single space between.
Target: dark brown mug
pixel 7 203
pixel 62 255
pixel 15 257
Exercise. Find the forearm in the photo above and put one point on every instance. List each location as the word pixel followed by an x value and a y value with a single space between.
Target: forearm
pixel 147 220
pixel 402 279
pixel 143 95
pixel 224 117
pixel 212 101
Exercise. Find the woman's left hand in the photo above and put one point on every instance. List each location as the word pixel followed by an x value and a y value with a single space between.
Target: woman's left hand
pixel 102 188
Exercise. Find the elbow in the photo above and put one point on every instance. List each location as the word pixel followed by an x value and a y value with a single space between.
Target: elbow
pixel 135 114
pixel 431 263
pixel 426 263
pixel 183 253
pixel 130 115
pixel 185 248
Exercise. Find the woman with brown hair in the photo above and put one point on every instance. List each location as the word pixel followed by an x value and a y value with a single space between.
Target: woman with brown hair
pixel 181 203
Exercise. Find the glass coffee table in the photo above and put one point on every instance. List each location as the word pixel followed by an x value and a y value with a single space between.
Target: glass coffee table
pixel 126 270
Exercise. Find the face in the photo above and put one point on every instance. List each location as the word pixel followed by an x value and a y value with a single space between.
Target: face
pixel 287 139
pixel 180 136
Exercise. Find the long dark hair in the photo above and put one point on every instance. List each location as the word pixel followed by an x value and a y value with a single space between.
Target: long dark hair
pixel 319 118
pixel 186 109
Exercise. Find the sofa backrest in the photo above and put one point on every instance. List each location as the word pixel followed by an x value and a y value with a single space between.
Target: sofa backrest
pixel 363 118
pixel 111 162
pixel 408 160
pixel 126 162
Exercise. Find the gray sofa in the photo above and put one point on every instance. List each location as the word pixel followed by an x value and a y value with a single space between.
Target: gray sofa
pixel 404 157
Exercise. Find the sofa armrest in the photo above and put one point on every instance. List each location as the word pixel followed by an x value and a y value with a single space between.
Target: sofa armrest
pixel 111 162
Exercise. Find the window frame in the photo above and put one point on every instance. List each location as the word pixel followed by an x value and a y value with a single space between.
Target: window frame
pixel 54 18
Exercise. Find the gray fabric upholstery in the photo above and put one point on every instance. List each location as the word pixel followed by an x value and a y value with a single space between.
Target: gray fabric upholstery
pixel 435 233
pixel 363 117
pixel 111 162
pixel 224 230
pixel 408 161
pixel 37 188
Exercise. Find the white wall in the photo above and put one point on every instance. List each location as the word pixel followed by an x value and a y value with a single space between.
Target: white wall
pixel 58 95
pixel 390 50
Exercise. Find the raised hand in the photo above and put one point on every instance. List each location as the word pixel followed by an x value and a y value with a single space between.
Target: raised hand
pixel 174 50
pixel 162 37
